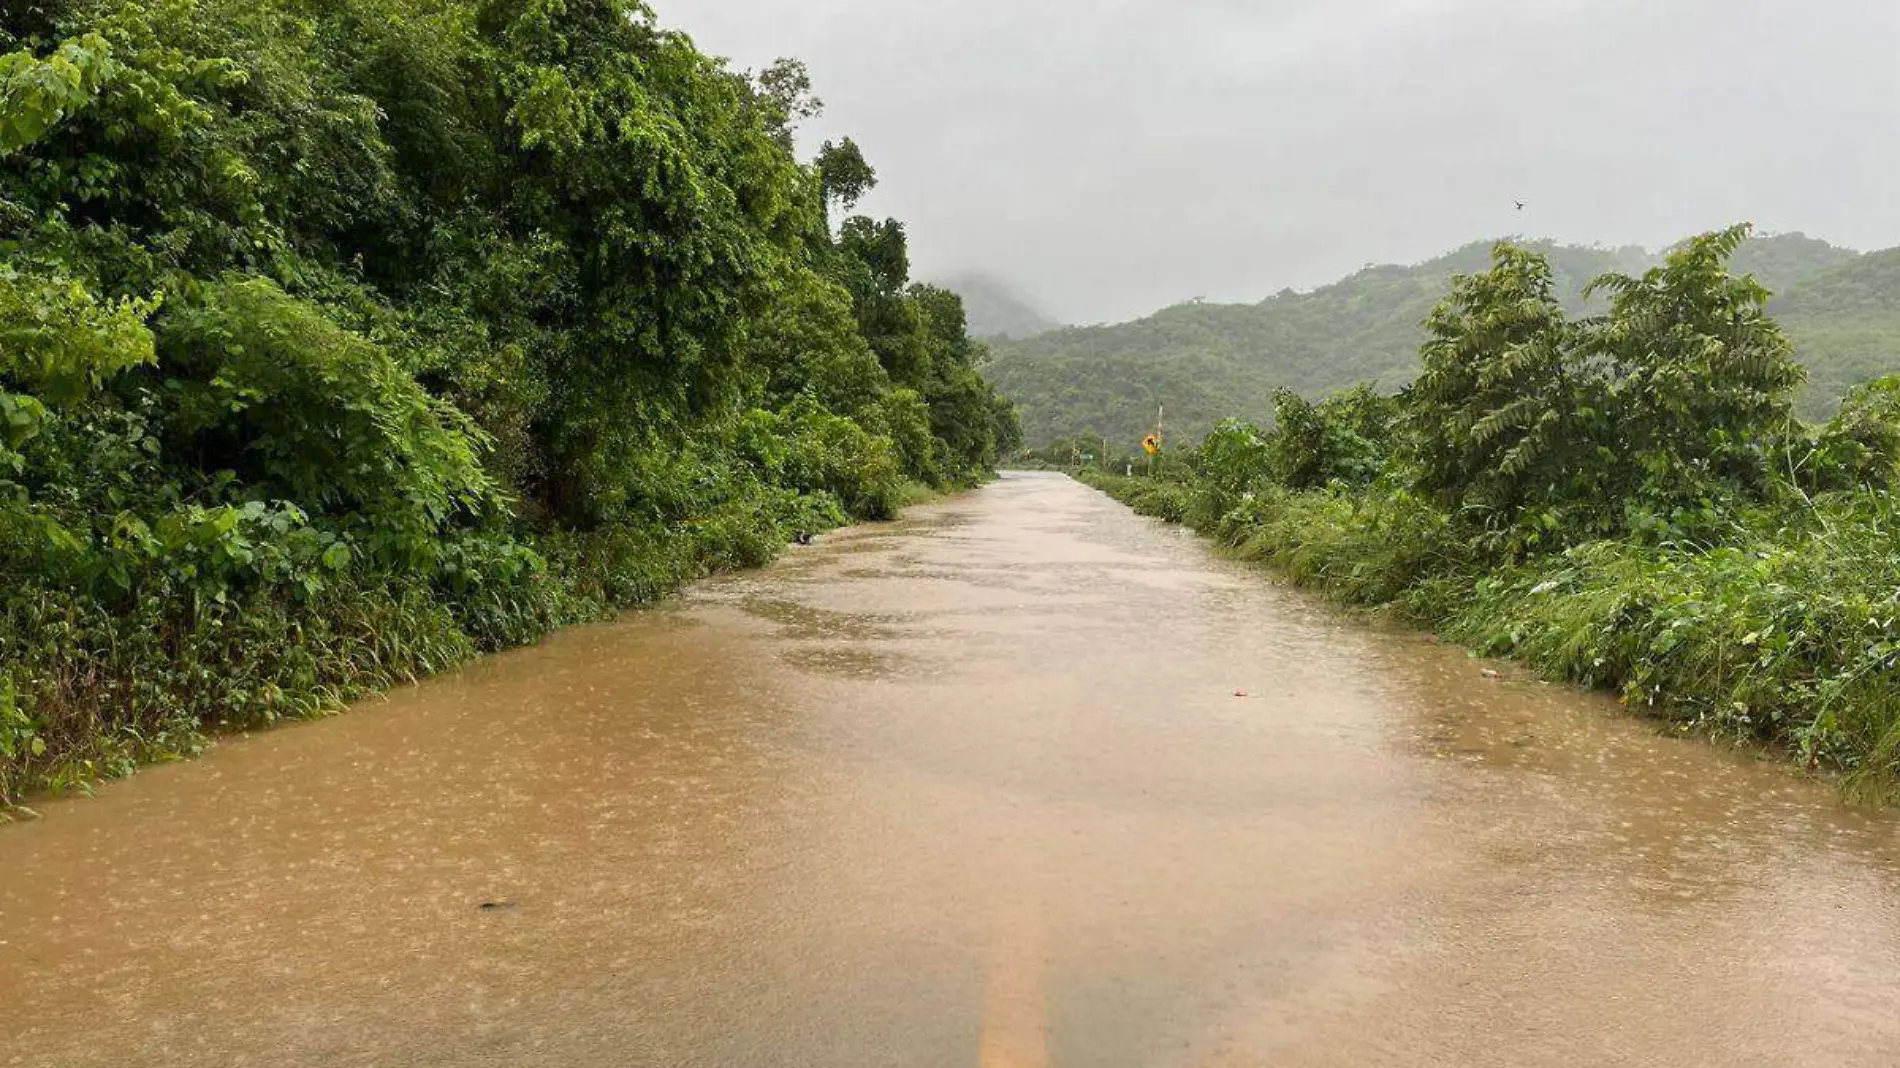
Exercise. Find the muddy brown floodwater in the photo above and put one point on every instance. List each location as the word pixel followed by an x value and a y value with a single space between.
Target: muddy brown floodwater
pixel 974 789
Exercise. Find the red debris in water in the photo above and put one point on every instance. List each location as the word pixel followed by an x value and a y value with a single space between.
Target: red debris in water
pixel 1240 693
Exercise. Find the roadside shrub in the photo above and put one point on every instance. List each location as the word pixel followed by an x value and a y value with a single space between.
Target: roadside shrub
pixel 1622 502
pixel 318 415
pixel 1857 449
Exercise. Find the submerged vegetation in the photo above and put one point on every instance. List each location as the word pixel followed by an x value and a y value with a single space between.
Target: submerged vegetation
pixel 1623 500
pixel 341 340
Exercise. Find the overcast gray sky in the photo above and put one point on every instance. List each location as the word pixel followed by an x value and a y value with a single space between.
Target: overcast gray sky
pixel 1108 158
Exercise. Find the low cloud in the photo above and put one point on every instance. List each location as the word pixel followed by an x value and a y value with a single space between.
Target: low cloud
pixel 1113 157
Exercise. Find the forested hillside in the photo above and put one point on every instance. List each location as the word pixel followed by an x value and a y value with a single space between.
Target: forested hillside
pixel 1208 361
pixel 1845 323
pixel 342 340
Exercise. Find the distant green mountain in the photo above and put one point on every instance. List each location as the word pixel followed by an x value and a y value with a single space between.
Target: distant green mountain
pixel 1845 322
pixel 1209 361
pixel 996 310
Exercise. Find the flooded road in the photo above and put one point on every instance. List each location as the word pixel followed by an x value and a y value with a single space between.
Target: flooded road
pixel 1023 780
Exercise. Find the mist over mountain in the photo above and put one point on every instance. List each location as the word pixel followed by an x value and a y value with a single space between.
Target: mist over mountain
pixel 996 309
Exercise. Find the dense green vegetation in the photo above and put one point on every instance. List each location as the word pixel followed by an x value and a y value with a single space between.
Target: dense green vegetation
pixel 1623 499
pixel 1210 361
pixel 341 340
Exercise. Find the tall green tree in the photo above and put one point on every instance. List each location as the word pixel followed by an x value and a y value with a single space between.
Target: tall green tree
pixel 1701 380
pixel 1502 415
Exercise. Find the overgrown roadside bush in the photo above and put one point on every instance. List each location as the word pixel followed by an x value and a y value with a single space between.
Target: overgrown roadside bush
pixel 1624 502
pixel 342 342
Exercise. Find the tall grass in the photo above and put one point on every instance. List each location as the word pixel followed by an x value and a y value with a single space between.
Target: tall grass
pixel 91 691
pixel 1788 635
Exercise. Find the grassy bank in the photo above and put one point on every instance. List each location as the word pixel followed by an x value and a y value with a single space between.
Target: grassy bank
pixel 90 692
pixel 1787 640
pixel 111 690
pixel 1625 501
